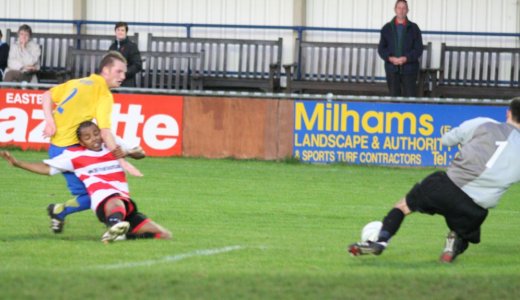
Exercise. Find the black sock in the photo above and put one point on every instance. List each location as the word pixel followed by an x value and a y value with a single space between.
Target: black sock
pixel 114 219
pixel 391 224
pixel 135 236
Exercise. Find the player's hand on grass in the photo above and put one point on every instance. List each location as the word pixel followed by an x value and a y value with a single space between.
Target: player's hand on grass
pixel 10 159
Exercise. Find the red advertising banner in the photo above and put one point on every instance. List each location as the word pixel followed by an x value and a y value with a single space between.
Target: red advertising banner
pixel 152 121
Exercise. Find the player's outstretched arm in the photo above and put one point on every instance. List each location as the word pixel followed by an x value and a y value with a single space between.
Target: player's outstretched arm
pixel 109 140
pixel 118 152
pixel 135 153
pixel 36 167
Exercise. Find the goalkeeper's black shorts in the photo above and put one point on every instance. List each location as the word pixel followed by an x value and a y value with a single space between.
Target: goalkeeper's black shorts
pixel 437 194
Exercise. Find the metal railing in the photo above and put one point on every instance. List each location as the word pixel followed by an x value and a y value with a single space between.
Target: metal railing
pixel 299 30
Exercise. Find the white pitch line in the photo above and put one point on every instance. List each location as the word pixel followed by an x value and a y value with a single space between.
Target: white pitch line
pixel 174 258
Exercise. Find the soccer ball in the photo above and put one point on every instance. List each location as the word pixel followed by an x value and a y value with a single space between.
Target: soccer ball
pixel 371 231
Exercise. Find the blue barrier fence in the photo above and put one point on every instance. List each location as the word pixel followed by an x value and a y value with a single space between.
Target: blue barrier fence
pixel 300 30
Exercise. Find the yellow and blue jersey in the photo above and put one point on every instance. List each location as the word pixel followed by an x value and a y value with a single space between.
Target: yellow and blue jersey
pixel 80 100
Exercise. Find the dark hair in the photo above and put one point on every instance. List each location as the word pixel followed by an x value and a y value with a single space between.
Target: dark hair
pixel 27 28
pixel 1 35
pixel 397 2
pixel 109 58
pixel 83 125
pixel 121 24
pixel 514 107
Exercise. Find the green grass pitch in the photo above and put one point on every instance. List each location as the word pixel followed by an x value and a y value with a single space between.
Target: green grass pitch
pixel 248 230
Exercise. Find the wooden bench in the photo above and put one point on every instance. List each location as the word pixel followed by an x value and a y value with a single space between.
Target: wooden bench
pixel 161 70
pixel 55 47
pixel 171 70
pixel 477 72
pixel 230 63
pixel 341 68
pixel 80 63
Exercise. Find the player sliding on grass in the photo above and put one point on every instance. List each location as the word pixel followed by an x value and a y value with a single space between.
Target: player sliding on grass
pixel 65 106
pixel 485 167
pixel 100 171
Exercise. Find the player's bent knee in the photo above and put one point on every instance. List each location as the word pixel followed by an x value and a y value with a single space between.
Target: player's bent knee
pixel 402 206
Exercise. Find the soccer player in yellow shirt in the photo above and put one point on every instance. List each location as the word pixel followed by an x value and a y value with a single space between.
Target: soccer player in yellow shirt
pixel 65 107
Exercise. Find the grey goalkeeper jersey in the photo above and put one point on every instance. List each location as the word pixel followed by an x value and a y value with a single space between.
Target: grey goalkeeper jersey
pixel 488 162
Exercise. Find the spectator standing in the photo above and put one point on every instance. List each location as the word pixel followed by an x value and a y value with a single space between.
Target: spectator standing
pixel 4 54
pixel 24 58
pixel 400 47
pixel 130 51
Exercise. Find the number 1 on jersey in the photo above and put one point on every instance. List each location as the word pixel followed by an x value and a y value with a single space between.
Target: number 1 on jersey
pixel 494 157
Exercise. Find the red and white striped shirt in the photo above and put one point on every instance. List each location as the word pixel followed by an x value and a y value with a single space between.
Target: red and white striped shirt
pixel 98 170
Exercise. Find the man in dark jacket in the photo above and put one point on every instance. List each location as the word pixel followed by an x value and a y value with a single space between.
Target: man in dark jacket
pixel 130 52
pixel 4 54
pixel 400 47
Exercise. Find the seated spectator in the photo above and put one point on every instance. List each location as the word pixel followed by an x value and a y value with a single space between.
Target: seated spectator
pixel 4 54
pixel 130 51
pixel 24 58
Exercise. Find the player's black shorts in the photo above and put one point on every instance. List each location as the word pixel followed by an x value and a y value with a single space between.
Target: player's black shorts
pixel 437 194
pixel 133 216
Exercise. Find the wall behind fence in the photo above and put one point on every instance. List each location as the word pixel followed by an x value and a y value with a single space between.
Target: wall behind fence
pixel 240 128
pixel 499 16
pixel 38 9
pixel 243 12
pixel 430 15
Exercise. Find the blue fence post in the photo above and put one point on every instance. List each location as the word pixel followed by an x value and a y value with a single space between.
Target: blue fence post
pixel 188 30
pixel 78 24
